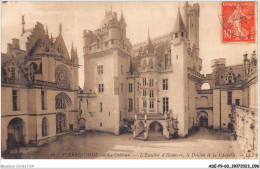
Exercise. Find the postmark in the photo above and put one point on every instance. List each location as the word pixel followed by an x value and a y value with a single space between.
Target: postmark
pixel 238 22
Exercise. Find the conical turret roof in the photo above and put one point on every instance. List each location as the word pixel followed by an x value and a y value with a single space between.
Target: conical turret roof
pixel 122 18
pixel 179 24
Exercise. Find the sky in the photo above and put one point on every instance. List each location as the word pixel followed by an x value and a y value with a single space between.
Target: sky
pixel 158 16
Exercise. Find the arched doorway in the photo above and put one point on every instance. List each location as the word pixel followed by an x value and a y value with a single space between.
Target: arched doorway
pixel 140 129
pixel 61 123
pixel 155 131
pixel 203 119
pixel 16 133
pixel 82 123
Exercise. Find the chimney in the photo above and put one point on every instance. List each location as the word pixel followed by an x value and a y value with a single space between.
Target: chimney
pixel 253 56
pixel 245 57
pixel 115 15
pixel 9 49
pixel 15 43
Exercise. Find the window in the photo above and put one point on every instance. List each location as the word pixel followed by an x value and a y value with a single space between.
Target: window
pixel 151 93
pixel 144 81
pixel 106 44
pixel 122 87
pixel 182 34
pixel 101 88
pixel 100 107
pixel 151 82
pixel 151 104
pixel 144 92
pixel 89 48
pixel 229 97
pixel 176 35
pixel 43 98
pixel 112 41
pixel 165 84
pixel 60 103
pixel 176 57
pixel 122 69
pixel 15 100
pixel 98 43
pixel 100 69
pixel 12 72
pixel 100 124
pixel 44 126
pixel 144 104
pixel 130 85
pixel 165 104
pixel 130 103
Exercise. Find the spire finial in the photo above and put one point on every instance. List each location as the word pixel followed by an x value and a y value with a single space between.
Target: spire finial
pixel 60 28
pixel 47 33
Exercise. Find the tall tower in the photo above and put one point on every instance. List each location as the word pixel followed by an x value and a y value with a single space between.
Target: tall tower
pixel 192 14
pixel 107 60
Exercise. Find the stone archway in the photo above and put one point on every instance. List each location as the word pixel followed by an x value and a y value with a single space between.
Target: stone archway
pixel 16 133
pixel 155 131
pixel 202 119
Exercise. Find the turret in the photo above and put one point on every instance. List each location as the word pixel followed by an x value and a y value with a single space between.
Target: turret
pixel 179 32
pixel 87 38
pixel 114 28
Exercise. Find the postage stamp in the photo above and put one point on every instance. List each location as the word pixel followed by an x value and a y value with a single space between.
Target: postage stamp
pixel 238 21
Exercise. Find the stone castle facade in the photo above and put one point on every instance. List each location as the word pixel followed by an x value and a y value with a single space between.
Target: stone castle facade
pixel 156 85
pixel 38 90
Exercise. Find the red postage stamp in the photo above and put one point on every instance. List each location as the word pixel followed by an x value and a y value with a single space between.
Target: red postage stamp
pixel 238 21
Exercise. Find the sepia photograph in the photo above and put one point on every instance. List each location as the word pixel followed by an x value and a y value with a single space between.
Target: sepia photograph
pixel 129 80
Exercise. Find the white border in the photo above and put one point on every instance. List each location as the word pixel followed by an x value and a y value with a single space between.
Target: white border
pixel 149 163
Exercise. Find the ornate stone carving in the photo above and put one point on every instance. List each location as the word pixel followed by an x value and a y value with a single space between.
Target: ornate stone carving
pixel 62 77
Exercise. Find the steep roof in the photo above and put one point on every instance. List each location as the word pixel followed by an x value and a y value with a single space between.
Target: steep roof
pixel 179 24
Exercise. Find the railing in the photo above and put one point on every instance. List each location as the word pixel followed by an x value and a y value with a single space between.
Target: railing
pixel 49 84
pixel 194 73
pixel 209 91
pixel 13 81
pixel 246 128
pixel 152 116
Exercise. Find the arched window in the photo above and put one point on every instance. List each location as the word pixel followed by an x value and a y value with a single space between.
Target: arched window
pixel 151 63
pixel 62 76
pixel 205 86
pixel 44 126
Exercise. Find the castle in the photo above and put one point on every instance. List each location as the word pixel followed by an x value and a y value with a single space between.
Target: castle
pixel 156 85
pixel 148 88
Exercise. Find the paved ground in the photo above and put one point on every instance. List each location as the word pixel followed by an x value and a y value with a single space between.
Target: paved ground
pixel 201 144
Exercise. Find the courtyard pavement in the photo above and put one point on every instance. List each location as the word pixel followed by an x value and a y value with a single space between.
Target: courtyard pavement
pixel 202 144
